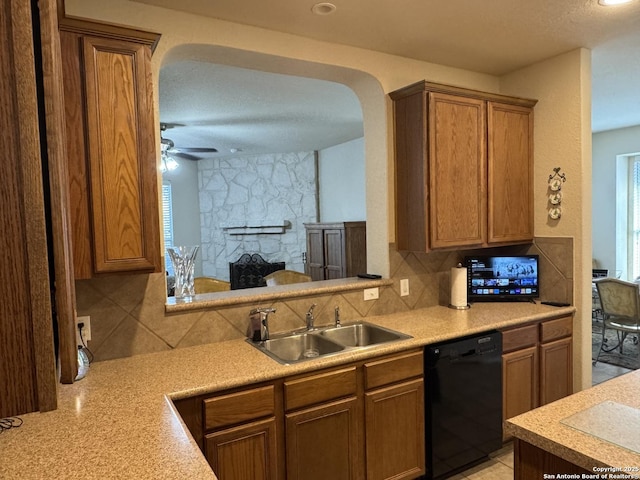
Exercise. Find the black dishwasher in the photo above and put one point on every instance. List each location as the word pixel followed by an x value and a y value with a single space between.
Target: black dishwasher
pixel 463 402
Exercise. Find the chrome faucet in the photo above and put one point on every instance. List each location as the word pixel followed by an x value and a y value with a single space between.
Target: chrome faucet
pixel 336 314
pixel 309 317
pixel 258 329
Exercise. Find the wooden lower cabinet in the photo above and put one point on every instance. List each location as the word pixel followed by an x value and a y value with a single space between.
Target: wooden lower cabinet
pixel 247 452
pixel 536 365
pixel 394 419
pixel 533 463
pixel 363 420
pixel 323 425
pixel 556 374
pixel 240 430
pixel 322 442
pixel 519 380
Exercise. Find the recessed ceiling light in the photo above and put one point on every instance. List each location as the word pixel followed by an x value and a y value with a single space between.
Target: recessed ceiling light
pixel 323 8
pixel 608 3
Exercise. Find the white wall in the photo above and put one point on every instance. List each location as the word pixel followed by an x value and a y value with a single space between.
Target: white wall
pixel 341 178
pixel 606 147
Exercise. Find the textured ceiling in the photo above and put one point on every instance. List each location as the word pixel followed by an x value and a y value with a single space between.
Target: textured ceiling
pixel 255 112
pixel 493 37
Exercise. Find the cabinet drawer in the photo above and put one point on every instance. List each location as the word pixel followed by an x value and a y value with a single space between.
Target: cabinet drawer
pixel 394 369
pixel 519 338
pixel 554 329
pixel 239 407
pixel 301 392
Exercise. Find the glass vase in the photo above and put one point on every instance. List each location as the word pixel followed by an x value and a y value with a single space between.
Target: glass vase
pixel 183 260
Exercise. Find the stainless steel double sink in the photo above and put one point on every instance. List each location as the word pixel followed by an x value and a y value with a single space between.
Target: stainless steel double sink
pixel 324 341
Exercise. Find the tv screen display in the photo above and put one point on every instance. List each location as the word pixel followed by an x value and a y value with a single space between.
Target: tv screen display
pixel 502 278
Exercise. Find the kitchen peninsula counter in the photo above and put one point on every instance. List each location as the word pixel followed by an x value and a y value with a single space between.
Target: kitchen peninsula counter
pixel 119 421
pixel 573 429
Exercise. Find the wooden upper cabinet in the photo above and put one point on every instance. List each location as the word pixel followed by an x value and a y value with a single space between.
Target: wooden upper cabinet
pixel 112 154
pixel 463 168
pixel 510 160
pixel 458 173
pixel 411 171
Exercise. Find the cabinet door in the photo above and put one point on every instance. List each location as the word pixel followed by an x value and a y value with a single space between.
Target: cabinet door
pixel 355 248
pixel 247 452
pixel 322 442
pixel 315 253
pixel 411 172
pixel 556 373
pixel 121 153
pixel 510 163
pixel 457 171
pixel 519 381
pixel 395 431
pixel 334 253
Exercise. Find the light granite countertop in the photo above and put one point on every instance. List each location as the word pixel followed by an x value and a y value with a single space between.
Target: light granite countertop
pixel 611 409
pixel 119 421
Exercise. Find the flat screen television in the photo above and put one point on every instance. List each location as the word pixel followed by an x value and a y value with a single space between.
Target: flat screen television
pixel 494 278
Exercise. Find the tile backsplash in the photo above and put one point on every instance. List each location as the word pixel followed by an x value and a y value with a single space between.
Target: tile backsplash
pixel 128 315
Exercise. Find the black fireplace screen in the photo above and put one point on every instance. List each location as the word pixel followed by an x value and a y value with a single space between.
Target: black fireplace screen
pixel 250 269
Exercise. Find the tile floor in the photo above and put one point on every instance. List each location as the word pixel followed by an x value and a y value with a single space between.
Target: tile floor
pixel 602 372
pixel 500 464
pixel 498 467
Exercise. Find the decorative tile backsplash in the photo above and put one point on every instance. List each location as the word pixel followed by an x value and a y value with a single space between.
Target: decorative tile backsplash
pixel 128 315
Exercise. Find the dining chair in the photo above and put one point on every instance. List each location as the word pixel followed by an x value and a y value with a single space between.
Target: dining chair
pixel 596 309
pixel 620 303
pixel 286 277
pixel 210 284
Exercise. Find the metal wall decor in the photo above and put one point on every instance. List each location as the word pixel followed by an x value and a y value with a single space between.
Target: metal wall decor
pixel 556 179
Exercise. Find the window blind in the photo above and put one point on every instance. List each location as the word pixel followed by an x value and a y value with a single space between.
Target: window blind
pixel 634 215
pixel 167 225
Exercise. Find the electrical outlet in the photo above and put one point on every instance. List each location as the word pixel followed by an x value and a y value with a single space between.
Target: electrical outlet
pixel 86 330
pixel 404 287
pixel 371 293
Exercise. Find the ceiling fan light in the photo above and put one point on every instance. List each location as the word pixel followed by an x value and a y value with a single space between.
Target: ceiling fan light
pixel 165 144
pixel 167 163
pixel 172 164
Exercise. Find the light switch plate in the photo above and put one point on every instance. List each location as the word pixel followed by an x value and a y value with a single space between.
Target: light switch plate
pixel 404 287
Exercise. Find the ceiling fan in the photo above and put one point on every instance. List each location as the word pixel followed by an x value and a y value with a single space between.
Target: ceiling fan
pixel 169 148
